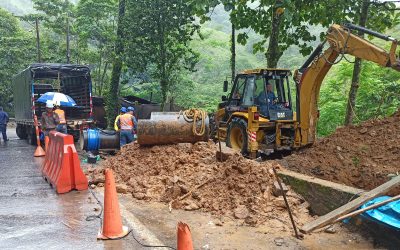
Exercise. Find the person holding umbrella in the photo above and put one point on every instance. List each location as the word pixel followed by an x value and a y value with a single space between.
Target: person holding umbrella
pixel 49 119
pixel 55 120
pixel 62 125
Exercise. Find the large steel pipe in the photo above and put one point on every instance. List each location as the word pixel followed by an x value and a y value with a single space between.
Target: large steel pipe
pixel 96 139
pixel 169 128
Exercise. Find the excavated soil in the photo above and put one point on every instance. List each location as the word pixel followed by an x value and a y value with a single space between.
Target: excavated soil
pixel 237 188
pixel 363 156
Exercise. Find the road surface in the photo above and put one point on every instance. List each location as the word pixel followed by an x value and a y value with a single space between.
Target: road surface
pixel 33 216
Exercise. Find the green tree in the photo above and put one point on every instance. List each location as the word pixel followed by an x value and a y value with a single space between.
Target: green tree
pixel 158 33
pixel 383 16
pixel 59 16
pixel 112 95
pixel 96 29
pixel 17 49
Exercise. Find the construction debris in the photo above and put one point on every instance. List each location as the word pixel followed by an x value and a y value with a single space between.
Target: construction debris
pixel 363 156
pixel 188 176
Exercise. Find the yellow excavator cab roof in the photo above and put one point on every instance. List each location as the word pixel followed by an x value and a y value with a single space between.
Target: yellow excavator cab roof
pixel 262 71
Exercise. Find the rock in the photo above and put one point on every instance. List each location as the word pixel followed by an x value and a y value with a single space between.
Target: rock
pixel 338 148
pixel 242 169
pixel 218 223
pixel 98 180
pixel 279 241
pixel 122 188
pixel 196 195
pixel 191 206
pixel 186 147
pixel 276 189
pixel 280 202
pixel 241 212
pixel 175 179
pixel 251 221
pixel 224 154
pixel 139 196
pixel 184 189
pixel 330 230
pixel 372 133
pixel 363 130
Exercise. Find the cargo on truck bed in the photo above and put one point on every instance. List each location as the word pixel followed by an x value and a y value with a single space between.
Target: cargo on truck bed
pixel 37 79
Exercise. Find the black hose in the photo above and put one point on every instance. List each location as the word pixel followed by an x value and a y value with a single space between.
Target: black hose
pixel 98 216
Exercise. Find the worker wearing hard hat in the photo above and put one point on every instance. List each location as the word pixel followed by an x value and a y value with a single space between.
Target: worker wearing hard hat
pixel 122 111
pixel 131 110
pixel 126 124
pixel 62 124
pixel 49 119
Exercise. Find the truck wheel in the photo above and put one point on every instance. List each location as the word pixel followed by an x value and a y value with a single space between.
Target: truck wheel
pixel 31 136
pixel 237 135
pixel 21 131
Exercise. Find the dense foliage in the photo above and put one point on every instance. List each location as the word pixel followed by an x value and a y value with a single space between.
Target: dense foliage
pixel 179 51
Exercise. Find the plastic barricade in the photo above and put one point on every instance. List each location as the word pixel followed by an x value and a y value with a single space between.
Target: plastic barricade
pixel 62 168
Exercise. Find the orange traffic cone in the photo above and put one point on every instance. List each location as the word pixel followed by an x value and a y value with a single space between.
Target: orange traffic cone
pixel 39 152
pixel 46 143
pixel 184 237
pixel 112 223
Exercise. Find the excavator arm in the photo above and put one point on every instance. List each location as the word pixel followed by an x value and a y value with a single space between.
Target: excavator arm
pixel 310 76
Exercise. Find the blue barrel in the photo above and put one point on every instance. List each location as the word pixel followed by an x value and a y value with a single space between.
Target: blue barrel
pixel 96 139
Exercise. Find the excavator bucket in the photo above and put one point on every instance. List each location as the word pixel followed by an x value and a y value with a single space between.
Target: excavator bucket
pixel 173 127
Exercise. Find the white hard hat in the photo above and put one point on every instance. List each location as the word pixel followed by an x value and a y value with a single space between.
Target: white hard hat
pixel 49 104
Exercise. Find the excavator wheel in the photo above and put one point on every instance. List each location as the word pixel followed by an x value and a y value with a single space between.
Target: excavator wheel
pixel 237 135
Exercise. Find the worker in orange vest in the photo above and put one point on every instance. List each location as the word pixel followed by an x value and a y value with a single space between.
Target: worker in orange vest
pixel 126 124
pixel 62 124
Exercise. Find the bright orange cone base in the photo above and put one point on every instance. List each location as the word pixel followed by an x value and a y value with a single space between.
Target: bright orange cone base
pixel 112 222
pixel 39 152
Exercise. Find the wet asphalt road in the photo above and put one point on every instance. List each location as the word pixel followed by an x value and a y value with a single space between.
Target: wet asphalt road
pixel 33 216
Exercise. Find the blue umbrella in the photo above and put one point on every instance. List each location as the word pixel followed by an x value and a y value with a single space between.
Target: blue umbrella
pixel 58 99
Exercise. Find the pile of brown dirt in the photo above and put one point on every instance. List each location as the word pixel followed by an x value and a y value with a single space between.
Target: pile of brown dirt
pixel 362 156
pixel 238 188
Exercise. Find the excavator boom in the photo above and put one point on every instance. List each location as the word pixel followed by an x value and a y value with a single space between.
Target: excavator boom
pixel 310 76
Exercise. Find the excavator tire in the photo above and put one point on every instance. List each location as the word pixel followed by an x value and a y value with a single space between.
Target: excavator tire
pixel 237 135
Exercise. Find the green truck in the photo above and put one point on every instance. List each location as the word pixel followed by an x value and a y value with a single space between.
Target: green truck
pixel 39 78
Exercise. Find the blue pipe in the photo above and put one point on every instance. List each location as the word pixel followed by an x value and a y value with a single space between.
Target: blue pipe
pixel 93 139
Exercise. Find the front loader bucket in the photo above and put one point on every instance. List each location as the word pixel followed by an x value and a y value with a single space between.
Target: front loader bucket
pixel 169 128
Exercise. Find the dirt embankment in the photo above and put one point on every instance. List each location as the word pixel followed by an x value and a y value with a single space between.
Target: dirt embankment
pixel 237 188
pixel 363 156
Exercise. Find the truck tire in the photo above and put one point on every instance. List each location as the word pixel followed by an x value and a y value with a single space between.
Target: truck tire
pixel 236 137
pixel 31 136
pixel 21 131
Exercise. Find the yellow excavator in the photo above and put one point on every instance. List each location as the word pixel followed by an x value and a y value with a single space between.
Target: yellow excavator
pixel 259 114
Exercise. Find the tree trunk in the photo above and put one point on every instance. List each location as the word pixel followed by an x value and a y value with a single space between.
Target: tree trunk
pixel 112 97
pixel 351 102
pixel 233 52
pixel 102 79
pixel 273 53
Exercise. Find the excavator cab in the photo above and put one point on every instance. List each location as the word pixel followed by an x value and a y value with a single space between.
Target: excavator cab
pixel 257 115
pixel 266 89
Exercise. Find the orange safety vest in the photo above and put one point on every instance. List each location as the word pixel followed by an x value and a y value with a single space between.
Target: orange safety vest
pixel 61 115
pixel 126 122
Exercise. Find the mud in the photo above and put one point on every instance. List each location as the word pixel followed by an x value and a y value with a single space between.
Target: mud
pixel 363 156
pixel 238 188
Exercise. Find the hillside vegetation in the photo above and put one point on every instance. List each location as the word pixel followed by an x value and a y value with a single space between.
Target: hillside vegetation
pixel 379 92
